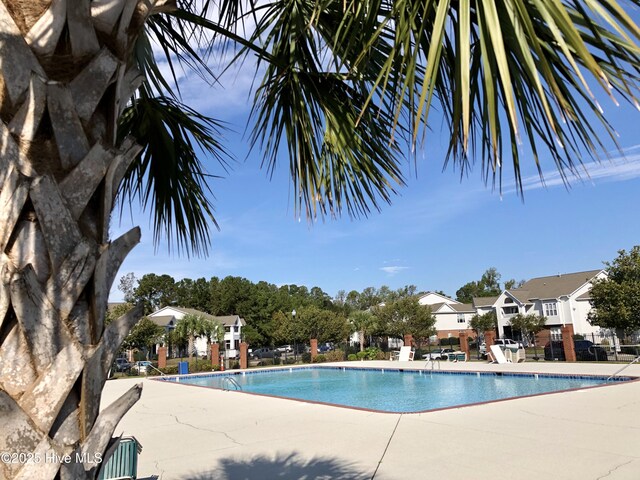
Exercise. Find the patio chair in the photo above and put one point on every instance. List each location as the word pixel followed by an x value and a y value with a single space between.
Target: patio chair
pixel 498 355
pixel 405 354
pixel 123 464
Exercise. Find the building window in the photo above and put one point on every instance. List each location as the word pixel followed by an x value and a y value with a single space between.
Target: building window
pixel 550 309
pixel 461 318
pixel 508 300
pixel 510 310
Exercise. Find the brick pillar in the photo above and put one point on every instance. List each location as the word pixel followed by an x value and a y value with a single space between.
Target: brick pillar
pixel 489 337
pixel 215 355
pixel 162 357
pixel 408 340
pixel 464 343
pixel 314 348
pixel 244 356
pixel 567 343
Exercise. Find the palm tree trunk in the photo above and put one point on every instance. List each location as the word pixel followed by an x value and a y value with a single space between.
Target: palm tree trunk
pixel 65 75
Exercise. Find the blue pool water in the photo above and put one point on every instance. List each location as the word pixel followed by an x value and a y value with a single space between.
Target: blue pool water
pixel 390 390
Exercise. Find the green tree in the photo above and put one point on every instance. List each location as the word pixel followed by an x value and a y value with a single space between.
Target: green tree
pixel 340 87
pixel 363 322
pixel 188 328
pixel 616 298
pixel 143 336
pixel 405 316
pixel 487 286
pixel 484 322
pixel 323 325
pixel 155 292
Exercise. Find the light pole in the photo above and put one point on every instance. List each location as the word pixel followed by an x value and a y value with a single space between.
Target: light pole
pixel 295 344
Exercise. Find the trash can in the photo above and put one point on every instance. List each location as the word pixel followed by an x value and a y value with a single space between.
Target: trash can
pixel 183 368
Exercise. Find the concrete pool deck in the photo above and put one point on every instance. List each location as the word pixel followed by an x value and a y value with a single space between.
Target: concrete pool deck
pixel 199 433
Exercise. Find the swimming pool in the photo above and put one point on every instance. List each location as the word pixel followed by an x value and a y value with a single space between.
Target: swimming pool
pixel 390 390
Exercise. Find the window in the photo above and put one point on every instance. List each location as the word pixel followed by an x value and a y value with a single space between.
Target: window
pixel 508 300
pixel 461 318
pixel 510 310
pixel 550 309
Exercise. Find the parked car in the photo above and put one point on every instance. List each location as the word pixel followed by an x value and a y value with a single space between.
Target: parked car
pixel 122 365
pixel 508 343
pixel 285 349
pixel 441 354
pixel 586 351
pixel 142 367
pixel 325 347
pixel 264 352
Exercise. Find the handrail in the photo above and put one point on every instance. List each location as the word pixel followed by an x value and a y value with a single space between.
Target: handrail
pixel 433 363
pixel 627 365
pixel 157 370
pixel 232 381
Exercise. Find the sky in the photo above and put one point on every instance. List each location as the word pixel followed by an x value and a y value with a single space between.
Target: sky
pixel 439 233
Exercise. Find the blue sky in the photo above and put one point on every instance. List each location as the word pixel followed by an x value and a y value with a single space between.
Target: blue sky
pixel 437 234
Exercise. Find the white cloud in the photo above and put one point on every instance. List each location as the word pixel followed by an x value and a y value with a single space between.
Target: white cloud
pixel 393 269
pixel 614 170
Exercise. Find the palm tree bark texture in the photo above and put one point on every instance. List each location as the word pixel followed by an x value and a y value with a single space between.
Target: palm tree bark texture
pixel 65 76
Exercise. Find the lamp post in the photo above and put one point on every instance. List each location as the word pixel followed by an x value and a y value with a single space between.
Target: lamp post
pixel 295 342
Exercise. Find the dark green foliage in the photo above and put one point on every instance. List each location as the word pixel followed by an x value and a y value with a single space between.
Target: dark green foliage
pixel 616 299
pixel 352 357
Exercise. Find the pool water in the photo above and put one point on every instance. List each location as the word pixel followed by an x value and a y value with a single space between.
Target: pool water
pixel 387 390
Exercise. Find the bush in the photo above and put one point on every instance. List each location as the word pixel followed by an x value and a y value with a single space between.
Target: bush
pixel 352 357
pixel 289 361
pixel 170 370
pixel 320 358
pixel 335 356
pixel 306 357
pixel 371 353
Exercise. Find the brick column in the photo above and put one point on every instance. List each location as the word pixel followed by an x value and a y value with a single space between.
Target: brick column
pixel 244 356
pixel 567 343
pixel 314 348
pixel 215 355
pixel 408 340
pixel 489 337
pixel 162 357
pixel 464 344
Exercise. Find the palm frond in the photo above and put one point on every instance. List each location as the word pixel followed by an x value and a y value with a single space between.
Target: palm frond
pixel 169 178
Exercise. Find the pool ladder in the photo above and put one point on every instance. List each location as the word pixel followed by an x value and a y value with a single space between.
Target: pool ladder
pixel 229 382
pixel 623 368
pixel 433 364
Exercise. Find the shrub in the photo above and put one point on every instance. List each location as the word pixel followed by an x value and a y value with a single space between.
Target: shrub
pixel 289 361
pixel 352 357
pixel 320 358
pixel 235 366
pixel 335 356
pixel 306 357
pixel 361 355
pixel 169 370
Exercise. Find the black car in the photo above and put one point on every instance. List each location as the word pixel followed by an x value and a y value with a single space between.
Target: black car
pixel 122 365
pixel 586 351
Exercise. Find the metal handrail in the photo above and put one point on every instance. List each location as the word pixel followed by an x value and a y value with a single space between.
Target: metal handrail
pixel 627 365
pixel 157 370
pixel 433 364
pixel 232 381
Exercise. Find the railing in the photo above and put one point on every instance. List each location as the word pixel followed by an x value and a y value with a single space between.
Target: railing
pixel 623 368
pixel 157 370
pixel 227 381
pixel 433 364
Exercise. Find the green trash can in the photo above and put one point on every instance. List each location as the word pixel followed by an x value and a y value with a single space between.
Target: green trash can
pixel 123 463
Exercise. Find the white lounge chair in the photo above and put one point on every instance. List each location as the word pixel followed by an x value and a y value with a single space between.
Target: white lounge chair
pixel 405 354
pixel 497 354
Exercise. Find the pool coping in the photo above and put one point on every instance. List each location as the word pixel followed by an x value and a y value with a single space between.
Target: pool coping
pixel 618 380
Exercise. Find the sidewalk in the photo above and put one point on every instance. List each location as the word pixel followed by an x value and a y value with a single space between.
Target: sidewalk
pixel 198 433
